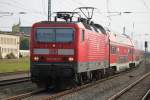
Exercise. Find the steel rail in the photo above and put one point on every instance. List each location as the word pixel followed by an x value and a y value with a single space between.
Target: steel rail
pixel 25 95
pixel 14 81
pixel 117 95
pixel 67 92
pixel 13 73
pixel 146 95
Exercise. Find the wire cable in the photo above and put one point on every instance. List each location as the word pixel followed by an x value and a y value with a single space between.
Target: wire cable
pixel 19 7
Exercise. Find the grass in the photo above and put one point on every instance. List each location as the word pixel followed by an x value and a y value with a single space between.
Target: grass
pixel 13 65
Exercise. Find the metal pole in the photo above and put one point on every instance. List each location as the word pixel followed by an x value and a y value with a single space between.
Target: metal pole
pixel 133 30
pixel 49 10
pixel 145 45
pixel 124 30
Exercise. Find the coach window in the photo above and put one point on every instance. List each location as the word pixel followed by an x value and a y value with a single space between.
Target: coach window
pixel 82 35
pixel 130 51
pixel 113 50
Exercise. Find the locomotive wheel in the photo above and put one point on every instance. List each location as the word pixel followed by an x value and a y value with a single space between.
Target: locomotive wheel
pixel 103 75
pixel 91 76
pixel 78 79
pixel 81 79
pixel 94 76
pixel 111 71
pixel 84 76
pixel 99 75
pixel 108 72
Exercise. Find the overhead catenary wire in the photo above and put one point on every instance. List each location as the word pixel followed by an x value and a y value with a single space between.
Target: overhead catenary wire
pixel 32 10
pixel 20 7
pixel 99 13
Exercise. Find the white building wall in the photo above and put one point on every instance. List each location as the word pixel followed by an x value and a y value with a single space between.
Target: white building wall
pixel 9 44
pixel 25 53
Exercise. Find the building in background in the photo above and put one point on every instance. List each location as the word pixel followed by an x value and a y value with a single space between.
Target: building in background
pixel 9 44
pixel 25 30
pixel 24 53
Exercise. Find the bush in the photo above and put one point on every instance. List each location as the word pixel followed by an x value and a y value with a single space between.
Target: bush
pixel 10 56
pixel 24 44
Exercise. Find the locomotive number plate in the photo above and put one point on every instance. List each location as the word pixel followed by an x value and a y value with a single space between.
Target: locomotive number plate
pixel 53 51
pixel 54 59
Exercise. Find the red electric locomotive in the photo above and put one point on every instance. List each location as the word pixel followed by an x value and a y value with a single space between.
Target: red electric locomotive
pixel 76 50
pixel 68 50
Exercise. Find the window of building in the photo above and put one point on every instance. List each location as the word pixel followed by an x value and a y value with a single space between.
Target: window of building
pixel 4 40
pixel 12 41
pixel 9 41
pixel 15 41
pixel 0 40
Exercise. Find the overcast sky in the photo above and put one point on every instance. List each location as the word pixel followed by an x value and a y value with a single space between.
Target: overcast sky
pixel 36 10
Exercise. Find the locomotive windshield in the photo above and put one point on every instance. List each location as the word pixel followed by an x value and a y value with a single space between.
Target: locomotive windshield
pixel 54 34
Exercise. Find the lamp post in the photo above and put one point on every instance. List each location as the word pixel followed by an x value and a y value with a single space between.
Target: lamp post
pixel 49 10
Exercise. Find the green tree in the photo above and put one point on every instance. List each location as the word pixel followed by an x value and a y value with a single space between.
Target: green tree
pixel 24 44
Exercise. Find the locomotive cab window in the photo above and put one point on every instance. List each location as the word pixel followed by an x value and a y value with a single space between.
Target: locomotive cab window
pixel 54 34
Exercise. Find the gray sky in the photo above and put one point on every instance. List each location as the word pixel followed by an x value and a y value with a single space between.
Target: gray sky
pixel 37 11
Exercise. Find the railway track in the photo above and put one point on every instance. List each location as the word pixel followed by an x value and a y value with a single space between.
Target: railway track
pixel 24 95
pixel 13 73
pixel 58 95
pixel 14 81
pixel 66 92
pixel 146 96
pixel 125 90
pixel 77 89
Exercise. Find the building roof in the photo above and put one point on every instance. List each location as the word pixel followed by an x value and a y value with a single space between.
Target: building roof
pixel 12 34
pixel 8 33
pixel 25 30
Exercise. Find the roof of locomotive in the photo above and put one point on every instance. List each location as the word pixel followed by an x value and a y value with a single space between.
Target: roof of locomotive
pixel 93 27
pixel 121 39
pixel 55 22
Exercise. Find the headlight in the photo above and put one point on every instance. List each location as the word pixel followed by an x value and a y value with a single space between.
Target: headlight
pixel 70 58
pixel 36 58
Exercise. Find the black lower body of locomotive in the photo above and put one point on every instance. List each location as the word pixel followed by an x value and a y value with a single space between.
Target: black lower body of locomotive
pixel 46 74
